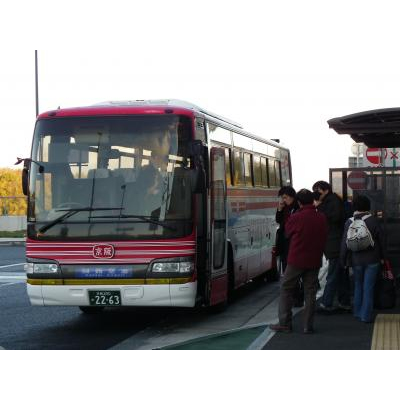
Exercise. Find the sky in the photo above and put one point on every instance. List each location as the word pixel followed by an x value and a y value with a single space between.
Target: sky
pixel 281 69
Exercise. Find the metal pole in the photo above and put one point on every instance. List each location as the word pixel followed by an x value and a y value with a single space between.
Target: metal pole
pixel 358 156
pixel 36 83
pixel 383 153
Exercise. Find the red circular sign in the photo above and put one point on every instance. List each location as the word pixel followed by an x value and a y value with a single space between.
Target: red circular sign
pixel 374 154
pixel 357 180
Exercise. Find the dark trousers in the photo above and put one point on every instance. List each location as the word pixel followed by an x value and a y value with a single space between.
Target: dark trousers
pixel 337 282
pixel 290 282
pixel 283 249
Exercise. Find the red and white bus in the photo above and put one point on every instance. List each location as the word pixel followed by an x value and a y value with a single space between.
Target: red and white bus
pixel 148 203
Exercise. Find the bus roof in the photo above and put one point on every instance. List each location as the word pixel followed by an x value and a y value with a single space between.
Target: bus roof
pixel 150 107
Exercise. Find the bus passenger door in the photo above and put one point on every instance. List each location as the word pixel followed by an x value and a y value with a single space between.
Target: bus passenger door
pixel 218 228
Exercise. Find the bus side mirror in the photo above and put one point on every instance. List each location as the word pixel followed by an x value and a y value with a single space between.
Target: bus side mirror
pixel 25 174
pixel 25 181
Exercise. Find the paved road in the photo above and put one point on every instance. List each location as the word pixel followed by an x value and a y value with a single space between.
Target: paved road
pixel 25 327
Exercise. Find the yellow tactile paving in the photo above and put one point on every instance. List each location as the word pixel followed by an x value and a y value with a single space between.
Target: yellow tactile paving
pixel 386 334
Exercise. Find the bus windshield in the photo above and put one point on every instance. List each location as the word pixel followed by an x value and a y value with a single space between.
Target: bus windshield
pixel 128 176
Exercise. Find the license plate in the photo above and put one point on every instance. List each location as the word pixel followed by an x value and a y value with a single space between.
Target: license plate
pixel 102 298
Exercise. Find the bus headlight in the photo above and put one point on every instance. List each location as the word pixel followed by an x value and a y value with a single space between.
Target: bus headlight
pixel 33 268
pixel 181 267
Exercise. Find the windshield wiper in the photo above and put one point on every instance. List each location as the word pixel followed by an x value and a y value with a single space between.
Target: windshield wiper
pixel 145 218
pixel 70 212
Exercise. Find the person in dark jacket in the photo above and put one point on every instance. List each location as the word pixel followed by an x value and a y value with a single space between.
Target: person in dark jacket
pixel 365 263
pixel 337 280
pixel 286 207
pixel 307 230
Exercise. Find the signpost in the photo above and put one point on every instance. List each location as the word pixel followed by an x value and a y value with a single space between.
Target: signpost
pixel 36 83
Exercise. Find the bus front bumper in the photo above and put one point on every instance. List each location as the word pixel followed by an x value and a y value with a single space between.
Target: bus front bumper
pixel 155 295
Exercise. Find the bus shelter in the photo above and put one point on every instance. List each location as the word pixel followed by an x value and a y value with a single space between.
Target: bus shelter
pixel 377 129
pixel 382 187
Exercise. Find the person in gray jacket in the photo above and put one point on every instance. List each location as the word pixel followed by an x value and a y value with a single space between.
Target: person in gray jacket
pixel 365 263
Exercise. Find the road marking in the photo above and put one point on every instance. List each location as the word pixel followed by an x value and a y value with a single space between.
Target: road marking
pixel 9 284
pixel 262 340
pixel 11 265
pixel 12 278
pixel 12 275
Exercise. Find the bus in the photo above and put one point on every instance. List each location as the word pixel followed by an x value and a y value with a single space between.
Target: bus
pixel 148 203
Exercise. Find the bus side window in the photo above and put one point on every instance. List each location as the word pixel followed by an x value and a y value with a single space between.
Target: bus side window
pixel 247 169
pixel 238 168
pixel 228 167
pixel 278 172
pixel 285 168
pixel 273 181
pixel 264 172
pixel 257 171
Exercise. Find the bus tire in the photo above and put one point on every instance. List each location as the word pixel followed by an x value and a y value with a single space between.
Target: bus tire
pixel 91 310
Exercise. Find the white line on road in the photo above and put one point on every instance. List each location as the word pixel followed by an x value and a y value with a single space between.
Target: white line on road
pixel 11 265
pixel 12 278
pixel 6 278
pixel 262 340
pixel 12 275
pixel 9 284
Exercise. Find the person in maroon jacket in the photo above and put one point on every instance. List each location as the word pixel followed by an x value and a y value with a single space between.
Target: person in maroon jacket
pixel 308 232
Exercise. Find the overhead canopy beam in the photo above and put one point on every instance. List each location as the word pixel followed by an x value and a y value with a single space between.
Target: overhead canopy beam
pixel 375 128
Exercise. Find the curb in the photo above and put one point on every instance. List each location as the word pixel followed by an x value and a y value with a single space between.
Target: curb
pixel 215 336
pixel 13 241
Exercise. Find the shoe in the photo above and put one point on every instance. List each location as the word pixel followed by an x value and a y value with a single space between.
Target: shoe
pixel 280 328
pixel 344 307
pixel 308 331
pixel 322 308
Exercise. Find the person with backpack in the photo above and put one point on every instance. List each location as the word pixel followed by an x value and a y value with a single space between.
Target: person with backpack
pixel 363 249
pixel 337 280
pixel 307 230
